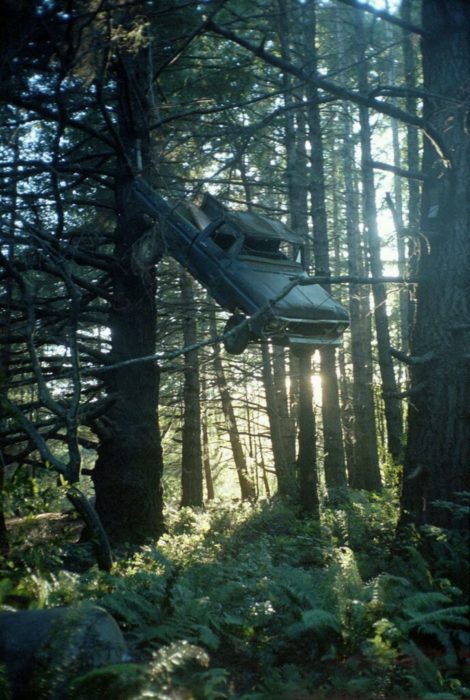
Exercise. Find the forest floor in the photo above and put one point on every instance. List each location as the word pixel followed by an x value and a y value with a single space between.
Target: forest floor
pixel 257 603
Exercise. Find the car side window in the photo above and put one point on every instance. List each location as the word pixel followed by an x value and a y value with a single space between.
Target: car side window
pixel 224 239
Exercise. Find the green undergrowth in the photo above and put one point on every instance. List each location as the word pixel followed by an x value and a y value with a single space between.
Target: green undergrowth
pixel 256 603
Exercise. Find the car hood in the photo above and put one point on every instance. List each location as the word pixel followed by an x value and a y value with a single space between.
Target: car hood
pixel 307 302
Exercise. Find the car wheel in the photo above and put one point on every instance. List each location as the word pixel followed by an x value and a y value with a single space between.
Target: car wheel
pixel 236 343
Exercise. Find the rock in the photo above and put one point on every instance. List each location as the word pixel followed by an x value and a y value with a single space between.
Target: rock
pixel 44 649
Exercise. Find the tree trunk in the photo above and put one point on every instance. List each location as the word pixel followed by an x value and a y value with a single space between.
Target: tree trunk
pixel 307 455
pixel 191 456
pixel 412 155
pixel 438 446
pixel 247 487
pixel 389 384
pixel 128 470
pixel 294 136
pixel 345 384
pixel 287 421
pixel 335 466
pixel 206 461
pixel 397 213
pixel 264 474
pixel 284 474
pixel 363 468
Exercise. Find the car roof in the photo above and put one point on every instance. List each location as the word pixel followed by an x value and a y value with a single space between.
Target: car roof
pixel 249 223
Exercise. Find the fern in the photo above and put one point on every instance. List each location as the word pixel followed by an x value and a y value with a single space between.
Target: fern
pixel 425 600
pixel 426 677
pixel 259 589
pixel 321 621
pixel 131 609
pixel 123 681
pixel 451 617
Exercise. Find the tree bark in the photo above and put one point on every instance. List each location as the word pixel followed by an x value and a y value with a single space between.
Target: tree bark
pixel 364 472
pixel 191 456
pixel 284 472
pixel 287 420
pixel 389 384
pixel 334 461
pixel 307 454
pixel 206 461
pixel 247 487
pixel 438 446
pixel 397 212
pixel 412 156
pixel 128 470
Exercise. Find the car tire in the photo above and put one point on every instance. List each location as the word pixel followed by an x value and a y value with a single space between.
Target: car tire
pixel 236 343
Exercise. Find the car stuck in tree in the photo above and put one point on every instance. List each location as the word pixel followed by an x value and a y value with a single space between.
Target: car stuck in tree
pixel 250 265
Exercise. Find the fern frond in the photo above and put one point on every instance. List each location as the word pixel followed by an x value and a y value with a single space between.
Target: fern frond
pixel 450 617
pixel 425 600
pixel 321 620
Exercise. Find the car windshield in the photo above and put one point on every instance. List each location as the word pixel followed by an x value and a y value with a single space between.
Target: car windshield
pixel 246 234
pixel 262 237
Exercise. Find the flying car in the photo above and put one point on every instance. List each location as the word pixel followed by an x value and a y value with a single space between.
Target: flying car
pixel 250 265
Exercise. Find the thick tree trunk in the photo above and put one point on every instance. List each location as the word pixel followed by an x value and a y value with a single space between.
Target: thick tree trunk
pixel 128 469
pixel 334 461
pixel 363 468
pixel 206 461
pixel 438 447
pixel 364 472
pixel 294 135
pixel 412 155
pixel 191 457
pixel 397 213
pixel 307 455
pixel 295 138
pixel 247 487
pixel 345 384
pixel 389 385
pixel 284 471
pixel 287 420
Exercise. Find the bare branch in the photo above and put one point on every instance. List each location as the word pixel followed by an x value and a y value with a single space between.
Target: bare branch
pixel 52 115
pixel 402 172
pixel 301 281
pixel 34 434
pixel 383 14
pixel 339 91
